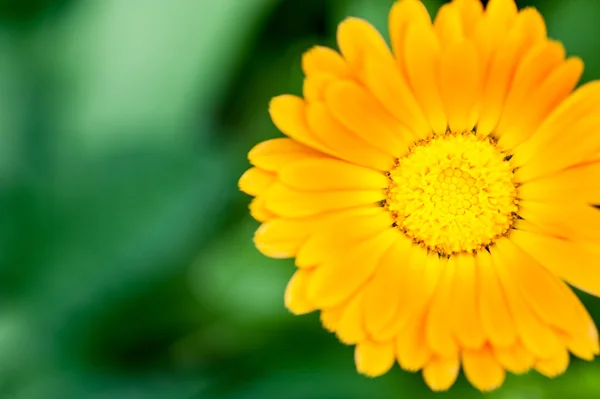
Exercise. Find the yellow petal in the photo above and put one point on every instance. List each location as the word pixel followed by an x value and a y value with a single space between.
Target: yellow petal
pixel 259 211
pixel 295 293
pixel 448 25
pixel 541 289
pixel 256 181
pixel 384 292
pixel 482 369
pixel 412 351
pixel 537 337
pixel 331 174
pixel 402 14
pixel 495 315
pixel 340 277
pixel 321 59
pixel 551 92
pixel 575 222
pixel 339 233
pixel 314 88
pixel 466 321
pixel 566 186
pixel 384 79
pixel 438 329
pixel 515 358
pixel 460 83
pixel 533 69
pixel 289 202
pixel 563 152
pixel 584 346
pixel 501 12
pixel 423 272
pixel 471 12
pixel 553 366
pixel 563 258
pixel 422 60
pixel 350 328
pixel 358 111
pixel 569 116
pixel 356 37
pixel 346 143
pixel 370 59
pixel 272 155
pixel 282 238
pixel 491 29
pixel 374 359
pixel 529 29
pixel 288 114
pixel 330 317
pixel 440 373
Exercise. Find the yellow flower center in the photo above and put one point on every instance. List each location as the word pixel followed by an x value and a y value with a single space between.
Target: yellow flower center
pixel 453 193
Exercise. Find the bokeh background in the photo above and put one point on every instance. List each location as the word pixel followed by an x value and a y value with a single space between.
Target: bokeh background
pixel 127 269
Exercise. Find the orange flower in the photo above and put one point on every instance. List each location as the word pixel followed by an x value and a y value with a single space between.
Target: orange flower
pixel 436 198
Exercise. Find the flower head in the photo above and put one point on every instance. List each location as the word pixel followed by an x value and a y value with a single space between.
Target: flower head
pixel 438 197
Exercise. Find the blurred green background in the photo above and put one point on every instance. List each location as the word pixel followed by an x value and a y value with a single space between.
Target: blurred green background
pixel 127 267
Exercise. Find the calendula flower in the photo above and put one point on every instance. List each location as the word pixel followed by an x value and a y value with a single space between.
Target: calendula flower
pixel 438 197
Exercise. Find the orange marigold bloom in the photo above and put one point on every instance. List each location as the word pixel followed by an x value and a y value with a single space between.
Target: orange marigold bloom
pixel 437 197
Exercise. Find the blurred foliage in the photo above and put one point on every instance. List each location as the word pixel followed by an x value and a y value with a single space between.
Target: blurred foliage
pixel 126 260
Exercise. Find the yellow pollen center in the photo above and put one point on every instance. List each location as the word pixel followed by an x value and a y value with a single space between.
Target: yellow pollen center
pixel 453 193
